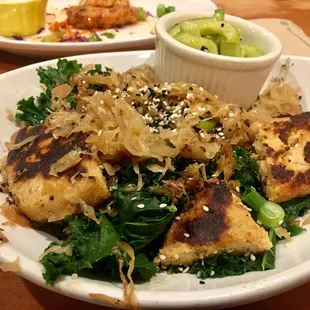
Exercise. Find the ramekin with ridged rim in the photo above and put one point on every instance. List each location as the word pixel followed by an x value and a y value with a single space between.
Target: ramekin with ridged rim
pixel 233 79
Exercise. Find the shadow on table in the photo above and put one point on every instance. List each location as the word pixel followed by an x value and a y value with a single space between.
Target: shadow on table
pixel 53 301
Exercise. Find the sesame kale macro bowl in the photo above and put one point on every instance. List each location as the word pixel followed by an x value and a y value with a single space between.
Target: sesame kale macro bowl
pixel 124 190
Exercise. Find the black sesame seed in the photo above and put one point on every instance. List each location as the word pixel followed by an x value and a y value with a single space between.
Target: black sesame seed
pixel 91 177
pixel 204 49
pixel 52 198
pixel 138 95
pixel 222 25
pixel 191 88
pixel 300 97
pixel 202 282
pixel 125 89
pixel 1 229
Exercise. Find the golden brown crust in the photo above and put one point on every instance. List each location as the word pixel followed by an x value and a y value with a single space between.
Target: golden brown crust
pixel 224 226
pixel 284 152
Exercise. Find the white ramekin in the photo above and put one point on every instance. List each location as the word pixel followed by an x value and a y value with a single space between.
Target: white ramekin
pixel 233 79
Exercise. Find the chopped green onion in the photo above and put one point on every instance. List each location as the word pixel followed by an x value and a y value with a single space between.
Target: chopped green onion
pixel 206 124
pixel 94 38
pixel 160 11
pixel 142 14
pixel 163 10
pixel 269 213
pixel 109 35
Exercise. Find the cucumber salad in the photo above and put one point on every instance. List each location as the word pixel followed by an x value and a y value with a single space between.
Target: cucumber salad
pixel 213 35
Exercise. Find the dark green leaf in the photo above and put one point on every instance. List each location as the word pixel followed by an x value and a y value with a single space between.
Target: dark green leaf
pixel 144 267
pixel 94 38
pixel 246 170
pixel 90 243
pixel 33 111
pixel 139 225
pixel 72 99
pixel 293 209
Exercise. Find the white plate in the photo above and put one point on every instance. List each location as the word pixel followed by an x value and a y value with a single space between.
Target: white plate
pixel 129 37
pixel 178 291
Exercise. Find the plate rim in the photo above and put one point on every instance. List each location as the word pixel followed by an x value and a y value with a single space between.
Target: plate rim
pixel 253 290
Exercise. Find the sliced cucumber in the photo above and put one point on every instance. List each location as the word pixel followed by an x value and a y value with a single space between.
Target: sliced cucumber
pixel 230 49
pixel 190 27
pixel 174 30
pixel 198 43
pixel 251 51
pixel 219 14
pixel 213 26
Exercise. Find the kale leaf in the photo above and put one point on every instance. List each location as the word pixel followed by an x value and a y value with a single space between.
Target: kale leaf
pixel 51 77
pixel 293 209
pixel 246 170
pixel 34 110
pixel 90 243
pixel 92 253
pixel 223 265
pixel 98 69
pixel 142 217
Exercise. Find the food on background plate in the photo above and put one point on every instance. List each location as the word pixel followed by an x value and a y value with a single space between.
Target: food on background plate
pixel 21 18
pixel 213 35
pixel 154 175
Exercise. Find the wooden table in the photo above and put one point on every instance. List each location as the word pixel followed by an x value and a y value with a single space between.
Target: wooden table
pixel 19 294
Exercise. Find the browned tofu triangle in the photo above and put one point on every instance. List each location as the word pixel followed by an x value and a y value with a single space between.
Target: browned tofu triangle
pixel 218 222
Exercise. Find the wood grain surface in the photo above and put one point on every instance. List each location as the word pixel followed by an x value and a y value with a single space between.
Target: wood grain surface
pixel 19 294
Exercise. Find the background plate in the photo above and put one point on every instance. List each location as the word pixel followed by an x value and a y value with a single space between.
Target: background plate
pixel 163 291
pixel 129 37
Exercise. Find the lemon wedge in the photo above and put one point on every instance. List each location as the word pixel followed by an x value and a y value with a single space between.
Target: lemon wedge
pixel 21 17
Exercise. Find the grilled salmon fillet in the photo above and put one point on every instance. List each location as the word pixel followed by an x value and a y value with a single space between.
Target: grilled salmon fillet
pixel 283 147
pixel 41 196
pixel 88 17
pixel 218 222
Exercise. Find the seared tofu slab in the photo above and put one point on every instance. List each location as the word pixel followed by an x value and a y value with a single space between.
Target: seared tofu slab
pixel 41 196
pixel 218 222
pixel 283 147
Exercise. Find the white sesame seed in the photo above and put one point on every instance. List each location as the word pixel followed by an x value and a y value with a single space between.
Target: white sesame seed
pixel 221 134
pixel 219 129
pixel 199 274
pixel 189 96
pixel 162 257
pixel 177 218
pixel 84 82
pixel 180 269
pixel 140 206
pixel 174 130
pixel 252 258
pixel 223 138
pixel 114 96
pixel 202 134
pixel 134 198
pixel 185 270
pixel 101 101
pixel 176 256
pixel 205 208
pixel 74 276
pixel 100 132
pixel 214 175
pixel 117 90
pixel 163 205
pixel 186 235
pixel 238 189
pixel 212 273
pixel 201 89
pixel 297 145
pixel 231 114
pixel 202 262
pixel 194 113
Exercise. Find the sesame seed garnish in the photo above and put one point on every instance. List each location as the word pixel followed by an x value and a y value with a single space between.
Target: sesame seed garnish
pixel 180 269
pixel 238 189
pixel 163 205
pixel 140 206
pixel 297 145
pixel 101 101
pixel 134 198
pixel 231 114
pixel 177 218
pixel 205 208
pixel 74 276
pixel 202 134
pixel 252 258
pixel 176 256
pixel 202 282
pixel 212 273
pixel 162 257
pixel 199 274
pixel 186 235
pixel 221 134
pixel 185 270
pixel 201 89
pixel 100 132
